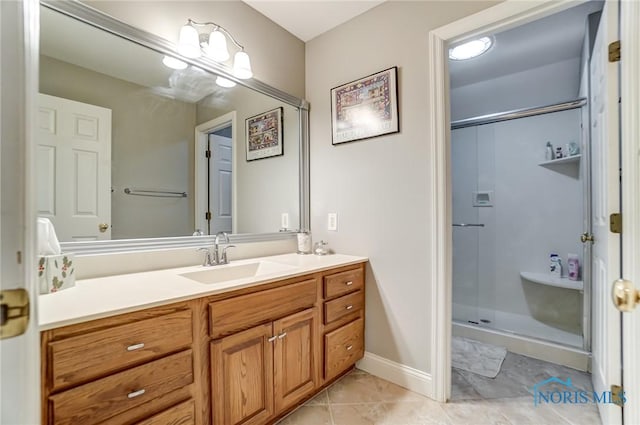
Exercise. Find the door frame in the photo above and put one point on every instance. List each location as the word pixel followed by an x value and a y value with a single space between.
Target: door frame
pixel 200 168
pixel 506 15
pixel 630 154
pixel 20 83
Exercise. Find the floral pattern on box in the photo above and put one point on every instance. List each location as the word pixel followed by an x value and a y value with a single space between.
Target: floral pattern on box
pixel 55 273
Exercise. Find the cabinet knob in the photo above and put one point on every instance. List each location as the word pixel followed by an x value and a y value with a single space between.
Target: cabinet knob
pixel 349 347
pixel 135 394
pixel 135 347
pixel 273 338
pixel 349 283
pixel 349 307
pixel 282 335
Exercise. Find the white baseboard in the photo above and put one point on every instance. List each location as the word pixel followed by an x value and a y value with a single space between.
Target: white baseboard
pixel 405 376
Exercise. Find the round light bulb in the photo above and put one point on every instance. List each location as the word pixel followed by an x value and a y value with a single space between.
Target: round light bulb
pixel 189 42
pixel 173 63
pixel 242 66
pixel 217 49
pixel 224 82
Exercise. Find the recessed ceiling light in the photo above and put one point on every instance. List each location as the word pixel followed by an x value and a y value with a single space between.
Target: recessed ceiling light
pixel 470 49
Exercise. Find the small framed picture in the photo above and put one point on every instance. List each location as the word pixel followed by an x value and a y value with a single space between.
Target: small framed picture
pixel 264 135
pixel 365 108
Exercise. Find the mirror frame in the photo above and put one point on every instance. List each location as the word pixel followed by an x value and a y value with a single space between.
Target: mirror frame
pixel 100 20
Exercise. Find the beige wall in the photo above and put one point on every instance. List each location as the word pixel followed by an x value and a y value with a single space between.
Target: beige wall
pixel 380 187
pixel 152 147
pixel 277 57
pixel 268 187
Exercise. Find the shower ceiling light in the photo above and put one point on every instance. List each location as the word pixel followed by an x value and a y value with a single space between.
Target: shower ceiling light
pixel 213 44
pixel 470 49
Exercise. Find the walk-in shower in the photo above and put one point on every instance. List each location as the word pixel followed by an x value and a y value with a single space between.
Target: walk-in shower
pixel 512 209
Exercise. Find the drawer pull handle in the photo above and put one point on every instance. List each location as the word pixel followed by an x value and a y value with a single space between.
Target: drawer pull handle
pixel 349 307
pixel 135 394
pixel 349 347
pixel 282 335
pixel 273 338
pixel 349 283
pixel 135 347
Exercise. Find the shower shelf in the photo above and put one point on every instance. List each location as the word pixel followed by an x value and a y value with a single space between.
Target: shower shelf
pixel 547 279
pixel 565 160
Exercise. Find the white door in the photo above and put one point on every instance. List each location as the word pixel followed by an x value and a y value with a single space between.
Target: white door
pixel 606 254
pixel 19 355
pixel 220 182
pixel 73 166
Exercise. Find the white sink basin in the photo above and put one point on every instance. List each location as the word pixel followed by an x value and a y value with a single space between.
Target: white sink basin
pixel 219 274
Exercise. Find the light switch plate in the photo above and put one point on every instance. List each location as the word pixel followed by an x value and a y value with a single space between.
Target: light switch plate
pixel 284 220
pixel 332 222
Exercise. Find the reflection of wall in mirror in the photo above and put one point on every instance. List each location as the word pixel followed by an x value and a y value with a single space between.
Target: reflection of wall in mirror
pixel 152 147
pixel 268 187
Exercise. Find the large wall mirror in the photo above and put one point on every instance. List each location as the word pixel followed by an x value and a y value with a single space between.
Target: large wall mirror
pixel 132 153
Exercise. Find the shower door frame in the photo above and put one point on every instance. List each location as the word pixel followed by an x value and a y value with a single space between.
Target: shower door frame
pixel 509 14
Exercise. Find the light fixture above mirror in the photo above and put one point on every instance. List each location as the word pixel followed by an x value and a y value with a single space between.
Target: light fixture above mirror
pixel 194 44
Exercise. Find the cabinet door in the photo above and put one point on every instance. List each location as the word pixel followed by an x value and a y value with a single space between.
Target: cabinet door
pixel 295 357
pixel 242 377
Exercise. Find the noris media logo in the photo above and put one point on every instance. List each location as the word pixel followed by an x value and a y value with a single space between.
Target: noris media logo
pixel 556 391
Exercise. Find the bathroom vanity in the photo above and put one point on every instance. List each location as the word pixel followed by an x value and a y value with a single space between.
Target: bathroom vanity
pixel 243 343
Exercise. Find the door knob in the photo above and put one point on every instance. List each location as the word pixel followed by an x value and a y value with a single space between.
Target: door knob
pixel 103 227
pixel 586 237
pixel 625 295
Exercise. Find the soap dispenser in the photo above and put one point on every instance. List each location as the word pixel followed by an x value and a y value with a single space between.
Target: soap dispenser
pixel 320 248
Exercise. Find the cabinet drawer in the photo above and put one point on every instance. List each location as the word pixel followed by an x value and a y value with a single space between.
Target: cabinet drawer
pixel 182 414
pixel 343 347
pixel 343 306
pixel 99 400
pixel 78 359
pixel 343 283
pixel 242 312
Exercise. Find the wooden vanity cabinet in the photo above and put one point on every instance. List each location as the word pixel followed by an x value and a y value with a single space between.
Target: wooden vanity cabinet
pixel 136 368
pixel 343 319
pixel 263 370
pixel 246 356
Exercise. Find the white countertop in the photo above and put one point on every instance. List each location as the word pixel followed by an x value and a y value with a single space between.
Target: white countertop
pixel 102 297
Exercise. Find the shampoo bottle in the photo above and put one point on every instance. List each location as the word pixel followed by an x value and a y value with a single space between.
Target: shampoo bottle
pixel 548 155
pixel 573 265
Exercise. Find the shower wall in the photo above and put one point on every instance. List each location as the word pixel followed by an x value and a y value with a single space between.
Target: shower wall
pixel 536 210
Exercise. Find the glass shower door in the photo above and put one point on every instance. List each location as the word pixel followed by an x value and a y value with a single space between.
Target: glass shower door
pixel 466 241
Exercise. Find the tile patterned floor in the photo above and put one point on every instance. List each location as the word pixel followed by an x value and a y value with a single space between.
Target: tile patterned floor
pixel 363 399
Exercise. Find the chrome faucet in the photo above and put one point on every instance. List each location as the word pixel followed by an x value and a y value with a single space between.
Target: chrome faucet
pixel 221 258
pixel 217 256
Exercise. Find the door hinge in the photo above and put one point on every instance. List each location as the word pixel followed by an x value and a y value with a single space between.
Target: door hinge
pixel 615 223
pixel 14 312
pixel 207 215
pixel 617 395
pixel 614 51
pixel 207 153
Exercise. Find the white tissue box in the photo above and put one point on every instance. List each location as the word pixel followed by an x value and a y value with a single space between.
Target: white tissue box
pixel 56 272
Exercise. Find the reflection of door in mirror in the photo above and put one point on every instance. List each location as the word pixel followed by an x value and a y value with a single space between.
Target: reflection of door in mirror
pixel 74 168
pixel 215 175
pixel 220 180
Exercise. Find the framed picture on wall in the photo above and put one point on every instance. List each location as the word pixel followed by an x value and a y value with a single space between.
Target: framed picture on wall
pixel 365 108
pixel 264 135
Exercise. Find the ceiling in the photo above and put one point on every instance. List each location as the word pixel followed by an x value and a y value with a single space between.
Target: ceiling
pixel 545 41
pixel 307 19
pixel 548 40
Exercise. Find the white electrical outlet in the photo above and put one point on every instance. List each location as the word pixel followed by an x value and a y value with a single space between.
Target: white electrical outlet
pixel 332 221
pixel 284 220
